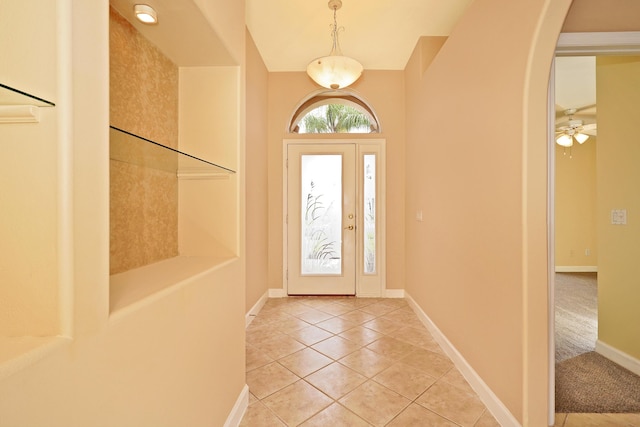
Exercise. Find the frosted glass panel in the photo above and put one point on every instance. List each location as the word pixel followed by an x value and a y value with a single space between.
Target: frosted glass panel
pixel 321 210
pixel 369 210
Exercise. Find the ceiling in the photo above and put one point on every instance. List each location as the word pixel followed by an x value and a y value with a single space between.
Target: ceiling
pixel 379 34
pixel 576 87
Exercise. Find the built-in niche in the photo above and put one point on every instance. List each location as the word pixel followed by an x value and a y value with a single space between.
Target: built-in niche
pixel 173 188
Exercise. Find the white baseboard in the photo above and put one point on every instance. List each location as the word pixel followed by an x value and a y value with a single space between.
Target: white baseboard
pixel 488 397
pixel 248 318
pixel 394 293
pixel 621 358
pixel 236 414
pixel 576 268
pixel 277 293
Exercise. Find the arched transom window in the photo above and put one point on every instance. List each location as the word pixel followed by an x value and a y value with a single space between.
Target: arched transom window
pixel 334 113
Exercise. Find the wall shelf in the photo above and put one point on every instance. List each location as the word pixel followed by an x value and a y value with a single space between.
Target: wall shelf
pixel 17 106
pixel 133 149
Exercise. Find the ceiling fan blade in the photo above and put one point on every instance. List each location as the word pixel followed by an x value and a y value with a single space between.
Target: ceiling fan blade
pixel 586 110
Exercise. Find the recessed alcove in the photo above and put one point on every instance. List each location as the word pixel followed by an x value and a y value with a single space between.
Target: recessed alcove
pixel 173 160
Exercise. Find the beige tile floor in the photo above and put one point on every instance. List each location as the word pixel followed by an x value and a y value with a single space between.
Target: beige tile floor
pixel 347 362
pixel 338 361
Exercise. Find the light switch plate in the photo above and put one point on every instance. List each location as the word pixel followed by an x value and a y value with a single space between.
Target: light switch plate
pixel 619 216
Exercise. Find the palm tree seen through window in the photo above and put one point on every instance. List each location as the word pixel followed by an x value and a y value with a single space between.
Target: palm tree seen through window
pixel 335 118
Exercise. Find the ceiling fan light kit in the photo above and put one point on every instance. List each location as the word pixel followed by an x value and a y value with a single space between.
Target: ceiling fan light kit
pixel 574 130
pixel 334 71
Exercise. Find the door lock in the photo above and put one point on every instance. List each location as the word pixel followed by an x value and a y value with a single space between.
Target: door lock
pixel 350 216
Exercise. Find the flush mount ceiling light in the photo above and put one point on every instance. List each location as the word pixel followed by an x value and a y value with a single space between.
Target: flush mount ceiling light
pixel 145 14
pixel 334 71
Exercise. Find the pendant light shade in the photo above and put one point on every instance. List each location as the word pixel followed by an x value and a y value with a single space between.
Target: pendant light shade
pixel 334 71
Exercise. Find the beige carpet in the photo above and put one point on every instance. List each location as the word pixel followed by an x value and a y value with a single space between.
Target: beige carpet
pixel 592 383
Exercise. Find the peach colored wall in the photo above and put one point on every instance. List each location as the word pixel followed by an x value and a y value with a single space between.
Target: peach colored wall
pixel 29 262
pixel 602 15
pixel 575 221
pixel 174 360
pixel 257 239
pixel 618 155
pixel 476 168
pixel 384 90
pixel 143 101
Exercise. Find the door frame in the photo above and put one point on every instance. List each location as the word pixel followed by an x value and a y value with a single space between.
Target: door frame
pixel 571 44
pixel 364 288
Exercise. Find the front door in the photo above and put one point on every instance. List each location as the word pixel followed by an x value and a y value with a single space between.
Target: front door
pixel 321 219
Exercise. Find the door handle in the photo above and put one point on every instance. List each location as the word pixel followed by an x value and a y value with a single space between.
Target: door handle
pixel 351 227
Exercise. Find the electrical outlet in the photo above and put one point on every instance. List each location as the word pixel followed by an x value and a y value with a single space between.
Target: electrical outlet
pixel 587 252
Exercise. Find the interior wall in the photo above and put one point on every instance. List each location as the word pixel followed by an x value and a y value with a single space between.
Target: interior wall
pixel 177 359
pixel 208 208
pixel 476 168
pixel 618 154
pixel 384 90
pixel 29 294
pixel 575 220
pixel 143 101
pixel 257 241
pixel 602 15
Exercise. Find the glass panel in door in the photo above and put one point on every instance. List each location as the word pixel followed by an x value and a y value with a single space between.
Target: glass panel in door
pixel 321 209
pixel 321 214
pixel 369 210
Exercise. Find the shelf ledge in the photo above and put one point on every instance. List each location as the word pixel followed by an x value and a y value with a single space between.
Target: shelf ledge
pixel 143 285
pixel 201 174
pixel 19 114
pixel 130 148
pixel 13 96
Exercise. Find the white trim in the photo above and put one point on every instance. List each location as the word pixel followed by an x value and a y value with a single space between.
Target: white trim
pixel 576 268
pixel 251 314
pixel 359 141
pixel 394 293
pixel 621 358
pixel 236 414
pixel 613 43
pixel 551 247
pixel 504 417
pixel 277 293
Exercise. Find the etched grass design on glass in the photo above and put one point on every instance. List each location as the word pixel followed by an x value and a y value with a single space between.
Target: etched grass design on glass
pixel 321 211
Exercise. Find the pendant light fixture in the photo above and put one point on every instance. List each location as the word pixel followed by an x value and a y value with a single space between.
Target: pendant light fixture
pixel 334 71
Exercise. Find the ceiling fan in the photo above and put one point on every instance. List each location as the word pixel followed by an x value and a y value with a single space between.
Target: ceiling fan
pixel 573 129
